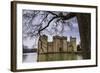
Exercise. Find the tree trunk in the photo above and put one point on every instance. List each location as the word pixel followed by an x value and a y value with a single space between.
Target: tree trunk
pixel 84 22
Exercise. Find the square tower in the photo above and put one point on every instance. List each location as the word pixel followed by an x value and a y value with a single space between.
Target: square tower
pixel 73 43
pixel 43 44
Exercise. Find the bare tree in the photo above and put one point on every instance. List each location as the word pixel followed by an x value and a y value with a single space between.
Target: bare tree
pixel 35 23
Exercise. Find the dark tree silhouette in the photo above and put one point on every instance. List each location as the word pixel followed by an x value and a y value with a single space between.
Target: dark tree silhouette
pixel 37 23
pixel 45 18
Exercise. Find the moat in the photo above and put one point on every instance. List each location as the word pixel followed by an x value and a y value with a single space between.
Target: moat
pixel 59 57
pixel 34 57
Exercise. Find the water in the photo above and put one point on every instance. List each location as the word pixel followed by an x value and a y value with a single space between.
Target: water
pixel 59 57
pixel 33 57
pixel 30 57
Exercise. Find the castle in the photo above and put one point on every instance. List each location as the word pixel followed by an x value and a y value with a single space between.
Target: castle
pixel 59 44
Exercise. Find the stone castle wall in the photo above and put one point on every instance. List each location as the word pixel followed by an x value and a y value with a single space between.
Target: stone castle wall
pixel 59 44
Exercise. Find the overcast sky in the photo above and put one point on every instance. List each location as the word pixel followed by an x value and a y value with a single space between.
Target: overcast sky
pixel 73 30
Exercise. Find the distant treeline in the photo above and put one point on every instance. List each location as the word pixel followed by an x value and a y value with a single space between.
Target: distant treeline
pixel 29 50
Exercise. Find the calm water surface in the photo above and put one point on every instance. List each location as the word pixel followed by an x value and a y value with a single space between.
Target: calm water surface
pixel 33 57
pixel 59 57
pixel 30 57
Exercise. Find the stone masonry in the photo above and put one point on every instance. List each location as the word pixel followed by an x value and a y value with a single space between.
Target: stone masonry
pixel 59 44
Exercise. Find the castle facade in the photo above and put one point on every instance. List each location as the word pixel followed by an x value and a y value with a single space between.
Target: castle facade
pixel 59 44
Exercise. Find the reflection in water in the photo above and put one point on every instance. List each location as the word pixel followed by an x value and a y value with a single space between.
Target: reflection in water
pixel 59 57
pixel 33 57
pixel 30 57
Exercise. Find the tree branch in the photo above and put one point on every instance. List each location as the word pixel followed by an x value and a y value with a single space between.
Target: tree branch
pixel 48 24
pixel 52 13
pixel 69 16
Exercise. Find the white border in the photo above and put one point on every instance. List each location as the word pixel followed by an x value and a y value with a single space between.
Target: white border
pixel 21 65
